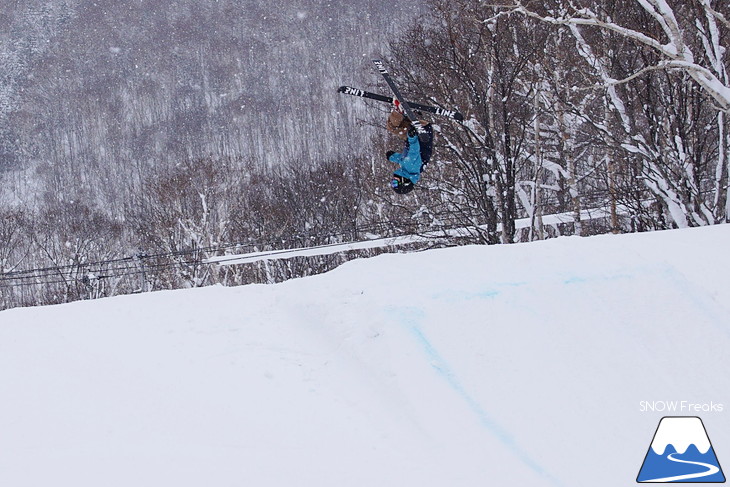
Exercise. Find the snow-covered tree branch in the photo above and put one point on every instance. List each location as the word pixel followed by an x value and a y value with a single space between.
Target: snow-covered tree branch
pixel 676 50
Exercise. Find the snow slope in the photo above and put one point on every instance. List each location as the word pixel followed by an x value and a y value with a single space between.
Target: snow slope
pixel 520 365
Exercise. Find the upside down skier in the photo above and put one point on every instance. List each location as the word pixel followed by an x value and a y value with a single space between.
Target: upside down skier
pixel 415 154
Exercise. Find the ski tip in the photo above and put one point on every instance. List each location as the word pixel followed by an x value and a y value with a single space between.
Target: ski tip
pixel 341 89
pixel 381 67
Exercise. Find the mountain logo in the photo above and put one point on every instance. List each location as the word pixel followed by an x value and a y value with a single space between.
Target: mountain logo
pixel 681 452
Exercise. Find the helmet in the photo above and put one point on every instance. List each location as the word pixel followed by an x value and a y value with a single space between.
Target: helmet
pixel 401 185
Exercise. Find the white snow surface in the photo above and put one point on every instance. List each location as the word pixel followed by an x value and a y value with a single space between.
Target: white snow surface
pixel 519 365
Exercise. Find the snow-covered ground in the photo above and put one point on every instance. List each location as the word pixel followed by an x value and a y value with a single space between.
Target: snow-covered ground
pixel 523 365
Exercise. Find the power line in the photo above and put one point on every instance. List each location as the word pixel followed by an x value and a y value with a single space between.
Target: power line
pixel 120 267
pixel 85 273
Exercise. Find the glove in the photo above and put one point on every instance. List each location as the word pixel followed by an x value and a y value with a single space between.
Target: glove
pixel 389 153
pixel 398 106
pixel 412 131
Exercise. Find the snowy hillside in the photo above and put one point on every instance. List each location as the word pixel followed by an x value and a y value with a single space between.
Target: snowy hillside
pixel 521 365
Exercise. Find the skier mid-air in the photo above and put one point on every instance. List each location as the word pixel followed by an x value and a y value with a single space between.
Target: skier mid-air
pixel 415 154
pixel 404 123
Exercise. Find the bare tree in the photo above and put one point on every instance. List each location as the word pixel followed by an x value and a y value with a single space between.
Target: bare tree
pixel 684 41
pixel 692 40
pixel 481 69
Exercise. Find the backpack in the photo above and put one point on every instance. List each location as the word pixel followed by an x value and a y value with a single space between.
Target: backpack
pixel 427 145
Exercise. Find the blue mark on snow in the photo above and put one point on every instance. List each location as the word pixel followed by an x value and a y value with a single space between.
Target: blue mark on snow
pixel 442 368
pixel 713 310
pixel 493 290
pixel 438 364
pixel 597 278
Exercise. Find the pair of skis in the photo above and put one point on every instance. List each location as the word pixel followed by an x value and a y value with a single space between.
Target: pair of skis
pixel 452 114
pixel 408 106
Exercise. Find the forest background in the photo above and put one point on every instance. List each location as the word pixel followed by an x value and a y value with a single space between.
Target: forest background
pixel 138 139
